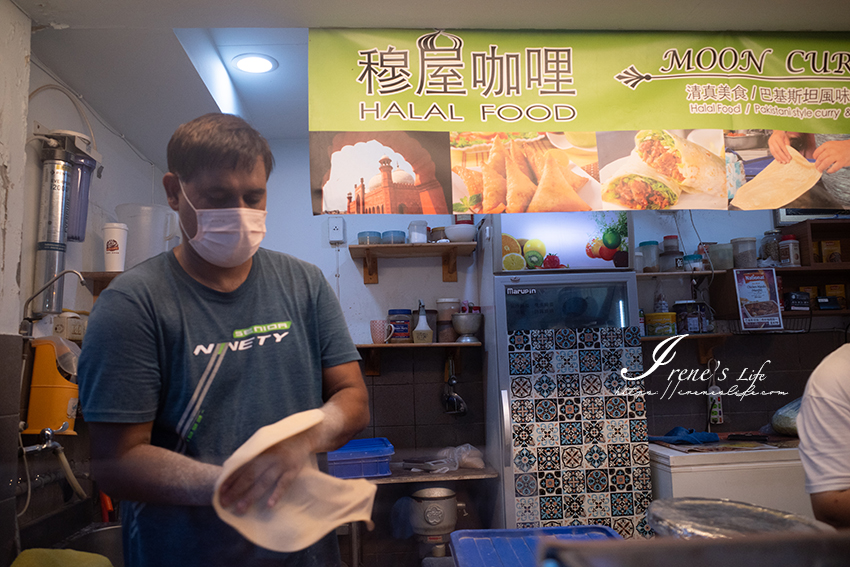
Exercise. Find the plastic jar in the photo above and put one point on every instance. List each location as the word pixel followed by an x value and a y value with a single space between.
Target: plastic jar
pixel 650 255
pixel 789 251
pixel 693 262
pixel 769 246
pixel 418 231
pixel 671 243
pixel 400 320
pixel 721 256
pixel 703 249
pixel 744 252
pixel 638 261
pixel 671 261
pixel 437 233
pixel 446 306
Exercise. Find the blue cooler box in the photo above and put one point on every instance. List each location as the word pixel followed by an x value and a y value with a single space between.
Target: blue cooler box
pixel 516 548
pixel 361 458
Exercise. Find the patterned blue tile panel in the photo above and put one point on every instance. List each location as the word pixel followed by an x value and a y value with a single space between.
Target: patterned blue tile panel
pixel 580 453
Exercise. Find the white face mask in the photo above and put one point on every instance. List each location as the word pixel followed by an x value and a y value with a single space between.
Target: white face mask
pixel 226 237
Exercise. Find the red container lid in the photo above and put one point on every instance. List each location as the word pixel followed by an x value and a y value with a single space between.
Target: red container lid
pixel 671 236
pixel 789 237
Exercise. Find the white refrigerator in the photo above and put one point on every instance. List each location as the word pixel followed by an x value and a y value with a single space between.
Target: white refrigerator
pixel 567 439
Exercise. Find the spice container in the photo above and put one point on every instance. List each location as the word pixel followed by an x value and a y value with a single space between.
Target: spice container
pixel 671 261
pixel 703 250
pixel 744 252
pixel 650 255
pixel 693 262
pixel 392 237
pixel 446 306
pixel 418 231
pixel 400 320
pixel 638 262
pixel 437 233
pixel 660 324
pixel 769 247
pixel 721 256
pixel 789 251
pixel 671 243
pixel 691 317
pixel 369 237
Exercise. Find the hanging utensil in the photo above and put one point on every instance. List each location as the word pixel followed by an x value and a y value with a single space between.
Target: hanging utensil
pixel 452 401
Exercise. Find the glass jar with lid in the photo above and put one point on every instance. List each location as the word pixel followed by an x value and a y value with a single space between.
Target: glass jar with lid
pixel 769 247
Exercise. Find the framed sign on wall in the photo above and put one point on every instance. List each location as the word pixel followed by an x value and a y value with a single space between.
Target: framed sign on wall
pixel 785 217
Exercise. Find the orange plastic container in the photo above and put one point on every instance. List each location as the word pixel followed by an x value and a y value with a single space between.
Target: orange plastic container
pixel 53 399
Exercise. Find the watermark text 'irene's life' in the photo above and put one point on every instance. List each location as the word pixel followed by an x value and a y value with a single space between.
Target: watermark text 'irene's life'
pixel 688 382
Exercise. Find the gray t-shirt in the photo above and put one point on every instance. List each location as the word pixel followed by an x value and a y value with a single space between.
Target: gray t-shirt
pixel 209 369
pixel 838 183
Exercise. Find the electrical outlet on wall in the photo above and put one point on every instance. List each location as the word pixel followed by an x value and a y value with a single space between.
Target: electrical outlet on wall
pixel 72 328
pixel 336 230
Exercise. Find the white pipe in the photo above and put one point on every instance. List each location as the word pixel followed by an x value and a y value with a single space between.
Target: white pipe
pixel 69 474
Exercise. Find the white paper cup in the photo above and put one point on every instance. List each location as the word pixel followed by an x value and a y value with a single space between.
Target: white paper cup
pixel 114 246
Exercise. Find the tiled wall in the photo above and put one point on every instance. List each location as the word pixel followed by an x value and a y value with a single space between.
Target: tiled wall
pixel 406 409
pixel 405 399
pixel 51 499
pixel 10 377
pixel 580 451
pixel 792 358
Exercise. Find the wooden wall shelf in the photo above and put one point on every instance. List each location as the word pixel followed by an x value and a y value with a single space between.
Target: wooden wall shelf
pixel 96 282
pixel 372 352
pixel 447 251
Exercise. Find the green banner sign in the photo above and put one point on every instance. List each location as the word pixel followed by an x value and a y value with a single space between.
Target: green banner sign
pixel 648 120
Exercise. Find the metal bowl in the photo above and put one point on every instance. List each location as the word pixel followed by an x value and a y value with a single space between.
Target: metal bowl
pixel 466 325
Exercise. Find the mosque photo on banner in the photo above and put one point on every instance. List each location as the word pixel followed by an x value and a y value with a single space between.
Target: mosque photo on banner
pixel 380 172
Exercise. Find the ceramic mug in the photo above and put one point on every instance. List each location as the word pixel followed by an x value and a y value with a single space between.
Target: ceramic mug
pixel 379 329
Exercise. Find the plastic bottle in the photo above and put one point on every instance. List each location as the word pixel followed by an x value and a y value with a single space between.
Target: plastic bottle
pixel 660 299
pixel 642 323
pixel 422 333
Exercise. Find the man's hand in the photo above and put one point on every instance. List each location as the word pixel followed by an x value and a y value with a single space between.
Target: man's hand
pixel 778 143
pixel 272 470
pixel 832 156
pixel 346 412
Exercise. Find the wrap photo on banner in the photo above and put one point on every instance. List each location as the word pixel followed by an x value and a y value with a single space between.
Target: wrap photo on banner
pixel 485 122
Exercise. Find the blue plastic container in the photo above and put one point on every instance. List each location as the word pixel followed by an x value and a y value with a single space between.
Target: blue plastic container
pixel 361 458
pixel 369 237
pixel 516 548
pixel 392 237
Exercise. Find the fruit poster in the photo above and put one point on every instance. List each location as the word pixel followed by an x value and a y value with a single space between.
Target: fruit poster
pixel 591 240
pixel 487 122
pixel 758 300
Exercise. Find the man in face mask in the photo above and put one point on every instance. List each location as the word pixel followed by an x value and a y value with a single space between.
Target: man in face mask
pixel 190 352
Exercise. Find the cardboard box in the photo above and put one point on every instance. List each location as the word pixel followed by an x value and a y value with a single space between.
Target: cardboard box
pixel 816 257
pixel 830 250
pixel 812 290
pixel 837 291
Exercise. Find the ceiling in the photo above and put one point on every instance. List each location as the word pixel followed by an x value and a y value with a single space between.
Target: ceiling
pixel 148 66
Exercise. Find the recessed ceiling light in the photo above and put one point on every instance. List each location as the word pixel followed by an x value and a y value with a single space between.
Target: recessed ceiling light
pixel 255 63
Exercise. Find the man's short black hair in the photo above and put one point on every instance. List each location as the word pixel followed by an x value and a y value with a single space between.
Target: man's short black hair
pixel 216 141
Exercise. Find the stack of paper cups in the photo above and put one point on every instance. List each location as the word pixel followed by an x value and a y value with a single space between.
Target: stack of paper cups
pixel 115 246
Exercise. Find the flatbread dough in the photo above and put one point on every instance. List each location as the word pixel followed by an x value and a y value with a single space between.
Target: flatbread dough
pixel 777 184
pixel 315 504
